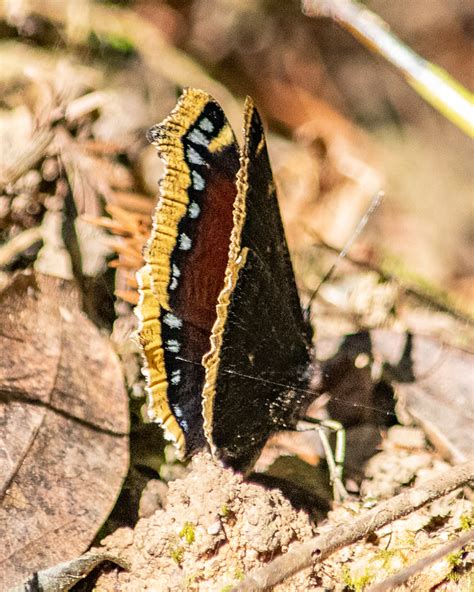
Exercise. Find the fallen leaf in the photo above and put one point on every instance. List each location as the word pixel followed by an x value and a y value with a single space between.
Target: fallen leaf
pixel 64 576
pixel 440 397
pixel 432 382
pixel 63 434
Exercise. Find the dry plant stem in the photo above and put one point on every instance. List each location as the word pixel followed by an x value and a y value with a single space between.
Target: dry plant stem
pixel 402 576
pixel 20 243
pixel 430 81
pixel 318 548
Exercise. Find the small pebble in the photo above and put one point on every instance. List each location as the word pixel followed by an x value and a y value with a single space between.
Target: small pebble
pixel 214 528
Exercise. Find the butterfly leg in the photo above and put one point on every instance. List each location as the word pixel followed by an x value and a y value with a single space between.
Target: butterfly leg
pixel 335 460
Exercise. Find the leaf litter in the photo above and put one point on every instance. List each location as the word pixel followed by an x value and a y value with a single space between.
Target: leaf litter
pixel 68 143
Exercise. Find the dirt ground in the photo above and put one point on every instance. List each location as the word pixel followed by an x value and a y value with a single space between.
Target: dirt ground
pixel 81 468
pixel 215 528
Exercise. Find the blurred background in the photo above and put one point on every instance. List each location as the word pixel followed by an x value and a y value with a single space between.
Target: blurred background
pixel 81 81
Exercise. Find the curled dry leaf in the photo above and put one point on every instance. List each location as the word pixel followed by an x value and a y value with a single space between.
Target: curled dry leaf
pixel 64 429
pixel 64 576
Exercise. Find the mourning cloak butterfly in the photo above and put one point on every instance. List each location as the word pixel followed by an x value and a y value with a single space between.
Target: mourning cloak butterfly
pixel 226 348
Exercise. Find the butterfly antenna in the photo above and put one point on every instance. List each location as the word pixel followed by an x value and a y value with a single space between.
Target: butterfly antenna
pixel 374 204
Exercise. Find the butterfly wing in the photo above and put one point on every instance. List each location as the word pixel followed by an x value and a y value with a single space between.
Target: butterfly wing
pixel 185 261
pixel 257 371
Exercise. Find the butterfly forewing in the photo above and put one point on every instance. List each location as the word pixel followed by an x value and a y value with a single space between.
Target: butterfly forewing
pixel 185 261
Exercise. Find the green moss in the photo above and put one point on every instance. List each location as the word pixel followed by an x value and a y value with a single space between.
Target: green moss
pixel 455 559
pixel 455 577
pixel 188 533
pixel 408 541
pixel 121 44
pixel 238 575
pixel 176 554
pixel 466 521
pixel 386 556
pixel 224 510
pixel 356 584
pixel 118 43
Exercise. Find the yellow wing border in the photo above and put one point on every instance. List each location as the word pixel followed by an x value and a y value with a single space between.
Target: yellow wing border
pixel 154 277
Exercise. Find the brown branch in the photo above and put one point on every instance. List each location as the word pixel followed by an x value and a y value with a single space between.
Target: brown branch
pixel 319 548
pixel 405 574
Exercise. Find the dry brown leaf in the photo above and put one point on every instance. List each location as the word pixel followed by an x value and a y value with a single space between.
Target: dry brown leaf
pixel 64 427
pixel 64 576
pixel 441 398
pixel 432 382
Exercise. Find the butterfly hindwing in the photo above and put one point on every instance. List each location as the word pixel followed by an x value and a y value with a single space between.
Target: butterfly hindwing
pixel 257 370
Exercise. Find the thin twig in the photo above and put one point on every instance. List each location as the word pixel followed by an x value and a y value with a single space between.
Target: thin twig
pixel 408 289
pixel 374 204
pixel 19 244
pixel 319 548
pixel 405 574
